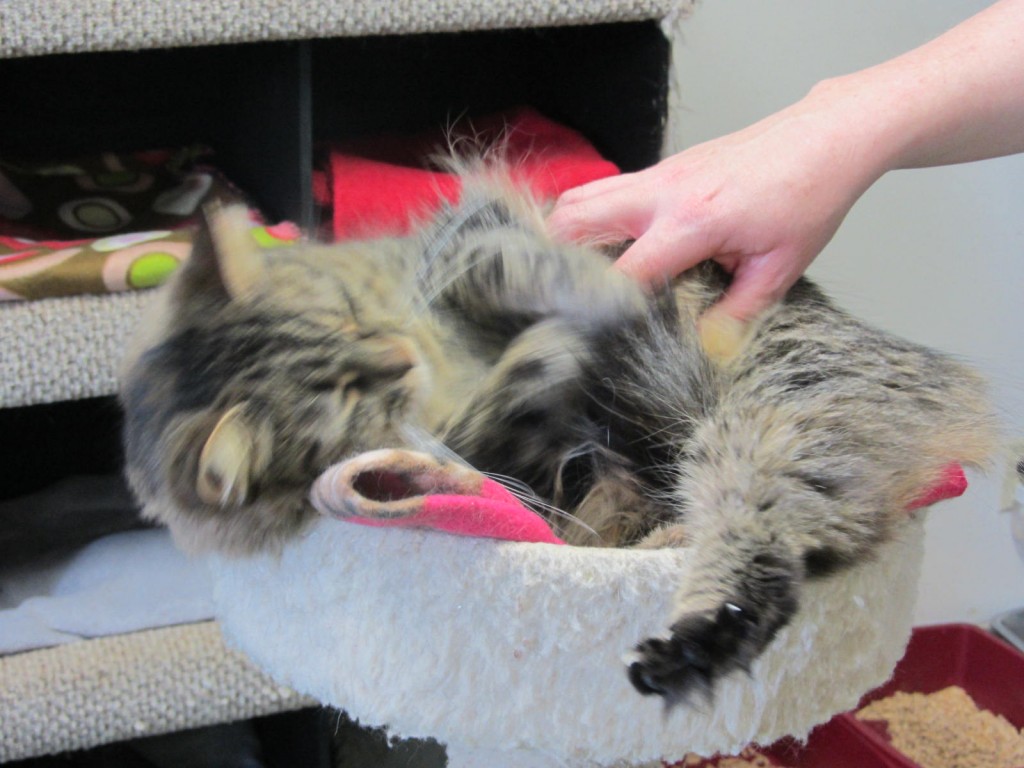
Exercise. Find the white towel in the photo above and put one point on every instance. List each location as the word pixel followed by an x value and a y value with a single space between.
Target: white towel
pixel 119 583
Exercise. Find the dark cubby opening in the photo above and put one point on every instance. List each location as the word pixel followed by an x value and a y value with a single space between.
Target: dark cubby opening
pixel 261 106
pixel 608 81
pixel 249 103
pixel 302 737
pixel 45 443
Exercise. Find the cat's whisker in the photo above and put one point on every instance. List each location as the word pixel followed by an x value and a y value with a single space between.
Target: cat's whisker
pixel 550 510
pixel 578 452
pixel 526 495
pixel 421 440
pixel 511 483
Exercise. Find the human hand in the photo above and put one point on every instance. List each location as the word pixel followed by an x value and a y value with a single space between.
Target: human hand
pixel 761 202
pixel 765 200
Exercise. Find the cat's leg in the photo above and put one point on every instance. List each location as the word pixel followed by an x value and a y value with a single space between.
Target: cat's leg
pixel 825 431
pixel 739 598
pixel 767 506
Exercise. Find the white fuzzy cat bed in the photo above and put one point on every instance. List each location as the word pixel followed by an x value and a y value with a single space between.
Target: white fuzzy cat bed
pixel 512 653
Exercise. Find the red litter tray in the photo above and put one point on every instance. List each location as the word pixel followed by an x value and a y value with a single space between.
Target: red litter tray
pixel 990 670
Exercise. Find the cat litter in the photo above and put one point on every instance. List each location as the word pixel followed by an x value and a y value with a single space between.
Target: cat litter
pixel 946 729
pixel 748 758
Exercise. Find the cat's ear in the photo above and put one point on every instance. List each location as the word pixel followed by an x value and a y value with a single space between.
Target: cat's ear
pixel 226 258
pixel 236 452
pixel 238 255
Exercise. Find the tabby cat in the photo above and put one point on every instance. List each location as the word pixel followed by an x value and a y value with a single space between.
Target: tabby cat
pixel 481 337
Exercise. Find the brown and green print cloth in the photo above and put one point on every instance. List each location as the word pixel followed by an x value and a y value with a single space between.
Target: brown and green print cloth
pixel 104 223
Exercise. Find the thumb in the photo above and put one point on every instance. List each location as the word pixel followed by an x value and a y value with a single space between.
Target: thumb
pixel 754 289
pixel 726 327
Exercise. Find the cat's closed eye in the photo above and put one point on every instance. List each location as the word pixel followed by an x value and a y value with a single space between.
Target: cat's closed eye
pixel 380 360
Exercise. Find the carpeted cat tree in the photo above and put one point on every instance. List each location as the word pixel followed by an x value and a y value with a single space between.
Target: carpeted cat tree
pixel 509 652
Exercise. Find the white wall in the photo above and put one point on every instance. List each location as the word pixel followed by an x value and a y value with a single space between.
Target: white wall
pixel 936 255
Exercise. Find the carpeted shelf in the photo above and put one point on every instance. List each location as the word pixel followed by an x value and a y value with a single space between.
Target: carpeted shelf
pixel 31 28
pixel 61 349
pixel 110 689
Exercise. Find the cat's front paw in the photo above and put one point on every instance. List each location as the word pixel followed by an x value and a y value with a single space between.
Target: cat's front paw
pixel 702 648
pixel 698 650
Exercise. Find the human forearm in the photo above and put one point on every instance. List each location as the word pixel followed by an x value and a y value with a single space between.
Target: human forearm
pixel 955 99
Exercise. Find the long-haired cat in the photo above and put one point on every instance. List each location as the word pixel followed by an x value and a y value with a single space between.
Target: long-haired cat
pixel 530 359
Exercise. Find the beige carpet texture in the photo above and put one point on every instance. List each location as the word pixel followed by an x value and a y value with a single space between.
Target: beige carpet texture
pixel 116 688
pixel 31 28
pixel 64 349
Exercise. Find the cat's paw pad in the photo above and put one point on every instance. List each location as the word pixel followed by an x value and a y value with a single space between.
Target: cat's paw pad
pixel 698 650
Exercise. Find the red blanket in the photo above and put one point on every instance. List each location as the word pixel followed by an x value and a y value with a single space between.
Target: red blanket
pixel 382 185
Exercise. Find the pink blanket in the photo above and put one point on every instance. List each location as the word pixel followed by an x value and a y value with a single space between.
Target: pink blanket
pixel 396 488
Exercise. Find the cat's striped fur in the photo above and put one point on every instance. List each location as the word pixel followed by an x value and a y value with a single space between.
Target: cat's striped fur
pixel 530 359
